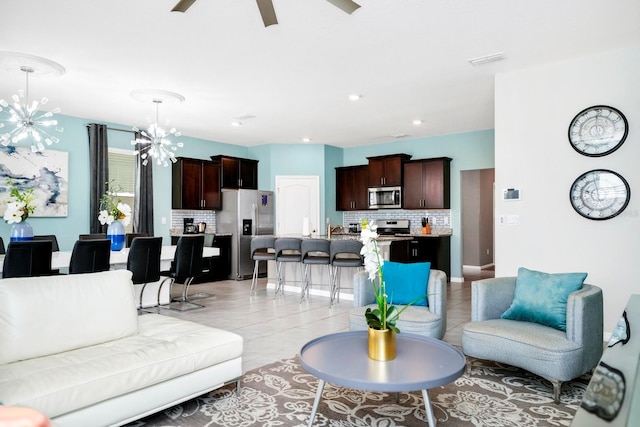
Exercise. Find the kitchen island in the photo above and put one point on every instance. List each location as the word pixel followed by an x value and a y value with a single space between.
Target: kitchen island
pixel 390 247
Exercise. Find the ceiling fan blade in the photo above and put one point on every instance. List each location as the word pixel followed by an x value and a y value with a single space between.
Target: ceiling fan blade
pixel 182 5
pixel 267 12
pixel 346 5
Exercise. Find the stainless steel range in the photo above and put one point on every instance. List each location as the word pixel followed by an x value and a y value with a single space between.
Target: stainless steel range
pixel 391 227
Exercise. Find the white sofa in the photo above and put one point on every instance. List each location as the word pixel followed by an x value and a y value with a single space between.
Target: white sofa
pixel 74 348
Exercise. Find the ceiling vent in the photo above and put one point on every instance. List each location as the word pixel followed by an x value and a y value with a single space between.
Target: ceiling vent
pixel 481 60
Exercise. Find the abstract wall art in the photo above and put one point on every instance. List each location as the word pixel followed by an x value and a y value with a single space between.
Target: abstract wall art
pixel 46 172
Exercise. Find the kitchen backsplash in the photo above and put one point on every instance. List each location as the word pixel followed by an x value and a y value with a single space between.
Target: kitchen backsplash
pixel 440 219
pixel 198 216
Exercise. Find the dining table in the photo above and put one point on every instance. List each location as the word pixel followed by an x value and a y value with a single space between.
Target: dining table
pixel 118 260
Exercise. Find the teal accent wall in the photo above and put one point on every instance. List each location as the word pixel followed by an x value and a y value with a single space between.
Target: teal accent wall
pixel 473 150
pixel 75 141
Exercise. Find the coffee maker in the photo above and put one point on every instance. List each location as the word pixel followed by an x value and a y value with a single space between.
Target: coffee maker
pixel 190 227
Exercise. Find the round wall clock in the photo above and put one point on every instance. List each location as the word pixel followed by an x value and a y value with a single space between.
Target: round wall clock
pixel 600 194
pixel 597 131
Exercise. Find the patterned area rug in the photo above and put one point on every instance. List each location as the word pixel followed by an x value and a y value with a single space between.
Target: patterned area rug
pixel 282 393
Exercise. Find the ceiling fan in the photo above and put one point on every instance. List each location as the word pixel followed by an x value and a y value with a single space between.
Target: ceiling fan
pixel 266 8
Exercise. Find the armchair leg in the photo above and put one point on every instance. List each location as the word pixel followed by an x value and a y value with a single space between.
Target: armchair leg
pixel 557 388
pixel 467 368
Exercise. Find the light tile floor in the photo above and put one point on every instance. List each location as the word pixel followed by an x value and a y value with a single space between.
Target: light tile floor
pixel 275 329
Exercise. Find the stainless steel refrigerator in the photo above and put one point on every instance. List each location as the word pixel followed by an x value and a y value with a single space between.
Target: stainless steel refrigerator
pixel 244 214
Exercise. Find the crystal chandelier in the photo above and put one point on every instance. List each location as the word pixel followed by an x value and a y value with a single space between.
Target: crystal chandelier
pixel 155 140
pixel 27 121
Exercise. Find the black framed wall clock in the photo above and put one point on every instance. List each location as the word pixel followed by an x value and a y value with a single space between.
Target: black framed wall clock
pixel 597 131
pixel 600 194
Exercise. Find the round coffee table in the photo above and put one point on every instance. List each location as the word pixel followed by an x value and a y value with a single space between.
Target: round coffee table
pixel 421 363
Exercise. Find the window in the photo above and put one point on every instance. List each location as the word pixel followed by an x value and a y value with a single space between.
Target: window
pixel 122 172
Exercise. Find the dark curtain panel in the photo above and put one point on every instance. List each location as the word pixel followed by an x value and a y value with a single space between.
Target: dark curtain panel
pixel 99 173
pixel 143 210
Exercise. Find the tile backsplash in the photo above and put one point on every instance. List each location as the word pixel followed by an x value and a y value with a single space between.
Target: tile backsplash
pixel 440 219
pixel 177 217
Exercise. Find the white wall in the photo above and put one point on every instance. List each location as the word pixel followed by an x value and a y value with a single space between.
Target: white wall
pixel 533 110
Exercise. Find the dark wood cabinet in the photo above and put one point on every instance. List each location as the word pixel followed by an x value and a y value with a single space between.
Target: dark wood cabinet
pixel 217 267
pixel 237 172
pixel 386 171
pixel 195 184
pixel 351 188
pixel 436 250
pixel 427 184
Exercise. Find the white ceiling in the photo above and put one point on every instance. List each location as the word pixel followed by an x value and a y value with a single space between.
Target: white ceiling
pixel 407 58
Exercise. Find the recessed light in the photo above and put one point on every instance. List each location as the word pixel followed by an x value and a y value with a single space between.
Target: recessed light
pixel 306 139
pixel 417 122
pixel 236 124
pixel 354 97
pixel 243 117
pixel 398 135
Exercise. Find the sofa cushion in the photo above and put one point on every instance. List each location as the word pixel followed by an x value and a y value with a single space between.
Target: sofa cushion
pixel 542 297
pixel 40 316
pixel 164 348
pixel 406 282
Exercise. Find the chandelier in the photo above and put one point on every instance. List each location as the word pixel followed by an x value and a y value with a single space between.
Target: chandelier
pixel 25 121
pixel 155 141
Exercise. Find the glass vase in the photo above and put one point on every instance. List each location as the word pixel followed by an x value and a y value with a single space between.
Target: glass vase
pixel 115 233
pixel 21 231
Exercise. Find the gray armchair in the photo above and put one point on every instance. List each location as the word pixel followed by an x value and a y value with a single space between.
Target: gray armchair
pixel 550 353
pixel 430 321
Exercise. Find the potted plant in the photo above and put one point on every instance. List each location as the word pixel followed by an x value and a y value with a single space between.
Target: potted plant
pixel 19 206
pixel 382 319
pixel 116 215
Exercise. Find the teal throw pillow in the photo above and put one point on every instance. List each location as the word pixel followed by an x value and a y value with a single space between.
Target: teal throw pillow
pixel 542 297
pixel 406 282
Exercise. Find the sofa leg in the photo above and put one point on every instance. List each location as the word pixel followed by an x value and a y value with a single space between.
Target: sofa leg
pixel 467 369
pixel 557 387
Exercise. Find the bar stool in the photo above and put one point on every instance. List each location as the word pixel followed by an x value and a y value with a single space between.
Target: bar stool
pixel 260 252
pixel 287 249
pixel 314 252
pixel 344 253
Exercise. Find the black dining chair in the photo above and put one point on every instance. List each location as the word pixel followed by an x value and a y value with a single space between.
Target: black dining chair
pixel 54 246
pixel 27 259
pixel 52 238
pixel 186 266
pixel 130 236
pixel 94 236
pixel 144 262
pixel 2 250
pixel 90 256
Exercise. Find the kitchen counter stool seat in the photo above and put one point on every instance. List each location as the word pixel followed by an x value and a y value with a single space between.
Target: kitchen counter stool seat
pixel 314 252
pixel 287 249
pixel 262 249
pixel 344 253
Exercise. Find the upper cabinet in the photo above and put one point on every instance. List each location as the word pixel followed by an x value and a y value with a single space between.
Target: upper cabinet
pixel 386 171
pixel 195 184
pixel 351 188
pixel 427 184
pixel 237 172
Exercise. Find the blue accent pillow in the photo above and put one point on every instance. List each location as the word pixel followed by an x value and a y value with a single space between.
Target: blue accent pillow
pixel 406 282
pixel 542 297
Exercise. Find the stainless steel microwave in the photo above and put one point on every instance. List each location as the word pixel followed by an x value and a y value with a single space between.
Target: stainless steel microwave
pixel 385 197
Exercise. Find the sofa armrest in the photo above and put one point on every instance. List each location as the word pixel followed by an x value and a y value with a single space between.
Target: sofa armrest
pixel 437 291
pixel 491 297
pixel 362 290
pixel 585 322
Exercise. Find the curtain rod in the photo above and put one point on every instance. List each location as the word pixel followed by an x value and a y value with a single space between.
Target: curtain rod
pixel 119 130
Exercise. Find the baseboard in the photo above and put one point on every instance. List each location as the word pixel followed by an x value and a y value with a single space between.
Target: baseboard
pixel 312 291
pixel 477 267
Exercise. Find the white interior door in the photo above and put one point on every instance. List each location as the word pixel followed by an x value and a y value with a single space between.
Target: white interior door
pixel 297 198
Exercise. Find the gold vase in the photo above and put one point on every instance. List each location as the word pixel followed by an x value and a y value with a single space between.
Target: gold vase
pixel 382 344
